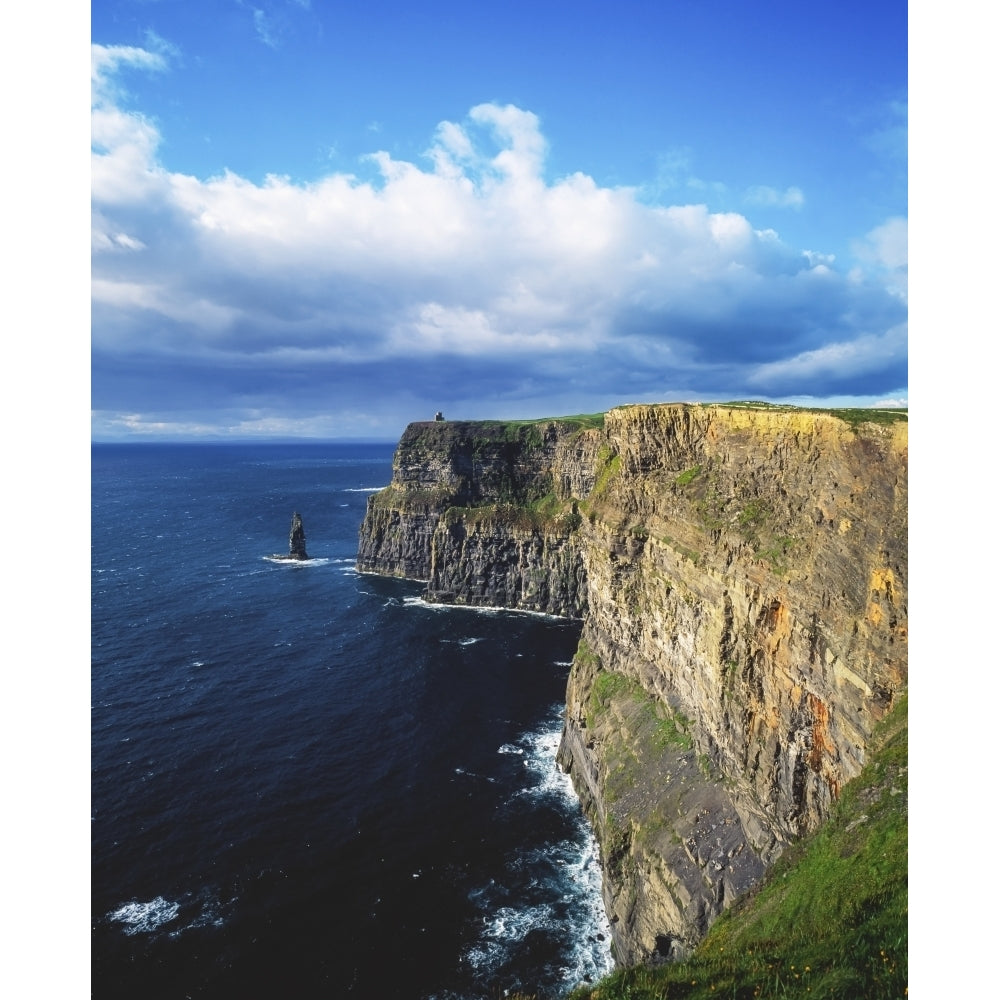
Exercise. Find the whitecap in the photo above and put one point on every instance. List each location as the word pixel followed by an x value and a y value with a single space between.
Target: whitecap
pixel 144 918
pixel 210 916
pixel 472 774
pixel 285 561
pixel 567 873
pixel 483 609
pixel 364 489
pixel 503 929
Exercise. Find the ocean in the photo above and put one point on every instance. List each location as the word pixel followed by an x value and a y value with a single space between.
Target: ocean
pixel 306 782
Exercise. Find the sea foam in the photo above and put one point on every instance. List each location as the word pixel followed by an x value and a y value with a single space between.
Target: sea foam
pixel 562 897
pixel 144 918
pixel 285 561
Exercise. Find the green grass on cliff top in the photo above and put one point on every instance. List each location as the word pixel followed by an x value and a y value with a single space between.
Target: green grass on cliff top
pixel 850 415
pixel 582 420
pixel 829 921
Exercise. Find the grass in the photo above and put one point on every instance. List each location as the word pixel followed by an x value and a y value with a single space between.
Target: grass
pixel 687 475
pixel 607 686
pixel 673 731
pixel 829 921
pixel 776 553
pixel 586 656
pixel 753 514
pixel 850 415
pixel 608 465
pixel 863 416
pixel 546 513
pixel 582 421
pixel 666 728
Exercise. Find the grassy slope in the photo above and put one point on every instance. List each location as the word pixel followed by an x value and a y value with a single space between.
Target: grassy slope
pixel 831 918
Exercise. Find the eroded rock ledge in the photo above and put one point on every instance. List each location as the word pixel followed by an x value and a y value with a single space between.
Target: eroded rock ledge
pixel 741 574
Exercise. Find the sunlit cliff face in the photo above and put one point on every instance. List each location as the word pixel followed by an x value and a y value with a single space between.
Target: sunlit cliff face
pixel 741 573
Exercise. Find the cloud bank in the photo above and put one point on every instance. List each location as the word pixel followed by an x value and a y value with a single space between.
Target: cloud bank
pixel 466 282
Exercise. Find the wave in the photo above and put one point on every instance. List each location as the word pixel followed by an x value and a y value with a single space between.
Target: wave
pixel 144 918
pixel 472 774
pixel 550 895
pixel 483 609
pixel 504 928
pixel 285 561
pixel 175 917
pixel 364 489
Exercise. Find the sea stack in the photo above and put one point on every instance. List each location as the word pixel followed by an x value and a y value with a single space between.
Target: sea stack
pixel 297 539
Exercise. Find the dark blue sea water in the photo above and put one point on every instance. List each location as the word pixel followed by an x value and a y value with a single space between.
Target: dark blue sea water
pixel 305 781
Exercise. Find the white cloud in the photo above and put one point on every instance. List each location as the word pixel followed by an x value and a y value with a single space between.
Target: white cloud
pixel 102 240
pixel 263 26
pixel 107 60
pixel 160 45
pixel 123 143
pixel 887 245
pixel 791 197
pixel 837 361
pixel 476 258
pixel 890 135
pixel 674 172
pixel 885 250
pixel 819 259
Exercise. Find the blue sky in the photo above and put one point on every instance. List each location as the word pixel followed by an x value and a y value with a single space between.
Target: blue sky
pixel 326 220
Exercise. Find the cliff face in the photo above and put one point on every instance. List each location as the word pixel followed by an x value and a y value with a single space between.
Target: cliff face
pixel 741 574
pixel 483 513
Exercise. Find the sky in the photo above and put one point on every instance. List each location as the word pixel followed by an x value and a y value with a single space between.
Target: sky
pixel 325 220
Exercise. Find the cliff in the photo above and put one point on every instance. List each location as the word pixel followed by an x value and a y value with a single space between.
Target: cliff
pixel 485 513
pixel 741 574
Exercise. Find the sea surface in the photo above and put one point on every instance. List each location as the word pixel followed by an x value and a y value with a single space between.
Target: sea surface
pixel 306 782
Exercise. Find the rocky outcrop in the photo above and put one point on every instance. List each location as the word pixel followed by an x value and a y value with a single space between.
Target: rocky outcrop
pixel 741 573
pixel 297 539
pixel 296 542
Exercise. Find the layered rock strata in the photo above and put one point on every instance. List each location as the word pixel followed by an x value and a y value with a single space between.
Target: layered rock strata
pixel 741 574
pixel 481 512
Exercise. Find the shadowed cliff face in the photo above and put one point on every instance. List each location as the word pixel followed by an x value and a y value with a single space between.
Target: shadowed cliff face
pixel 475 509
pixel 742 578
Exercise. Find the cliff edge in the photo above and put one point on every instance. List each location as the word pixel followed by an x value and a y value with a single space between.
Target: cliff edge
pixel 741 576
